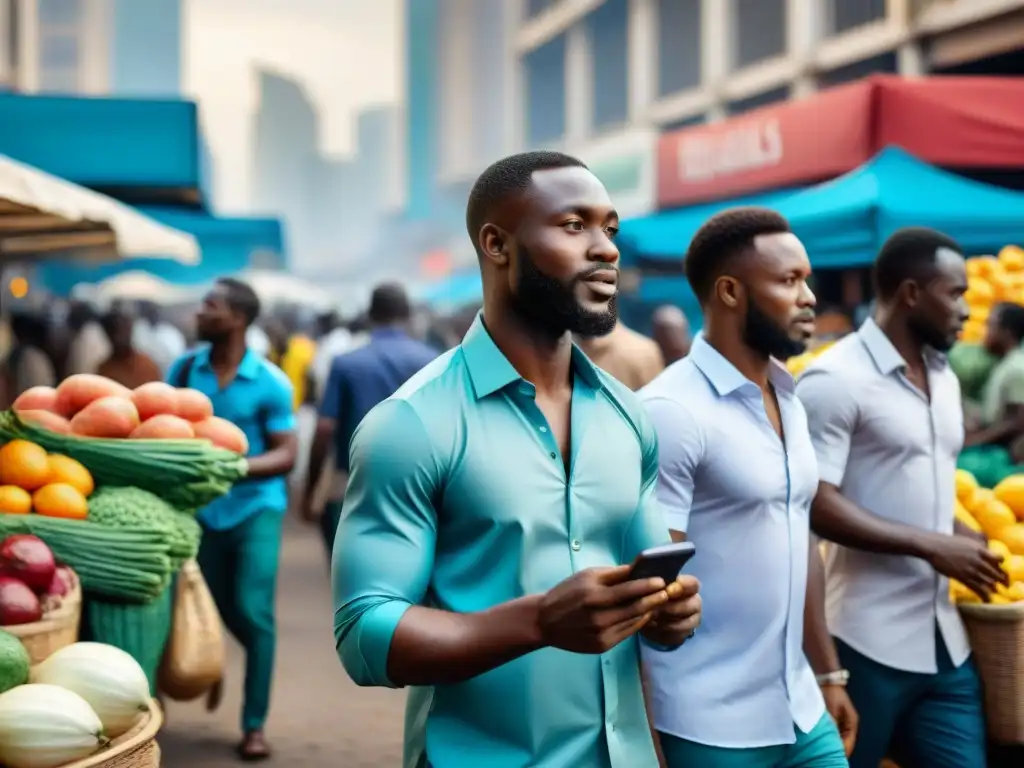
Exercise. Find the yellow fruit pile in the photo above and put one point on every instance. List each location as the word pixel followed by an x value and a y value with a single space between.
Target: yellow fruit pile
pixel 999 514
pixel 991 280
pixel 48 484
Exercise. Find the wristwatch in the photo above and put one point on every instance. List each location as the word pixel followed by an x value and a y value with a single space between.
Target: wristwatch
pixel 839 677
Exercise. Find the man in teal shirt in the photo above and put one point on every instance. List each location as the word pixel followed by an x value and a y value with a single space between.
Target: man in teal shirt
pixel 495 503
pixel 242 531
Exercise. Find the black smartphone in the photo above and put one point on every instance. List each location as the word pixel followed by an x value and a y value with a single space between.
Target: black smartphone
pixel 666 561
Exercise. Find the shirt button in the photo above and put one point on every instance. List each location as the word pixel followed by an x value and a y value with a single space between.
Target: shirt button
pixel 576 545
pixel 543 429
pixel 553 455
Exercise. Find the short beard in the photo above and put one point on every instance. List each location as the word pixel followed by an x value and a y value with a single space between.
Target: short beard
pixel 551 306
pixel 764 335
pixel 928 336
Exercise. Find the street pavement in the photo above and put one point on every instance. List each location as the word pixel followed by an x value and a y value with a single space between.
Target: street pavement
pixel 318 718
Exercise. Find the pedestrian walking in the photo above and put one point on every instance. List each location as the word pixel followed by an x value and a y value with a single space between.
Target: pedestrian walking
pixel 885 416
pixel 496 501
pixel 737 476
pixel 242 531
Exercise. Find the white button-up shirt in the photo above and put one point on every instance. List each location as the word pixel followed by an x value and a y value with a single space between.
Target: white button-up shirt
pixel 892 452
pixel 743 497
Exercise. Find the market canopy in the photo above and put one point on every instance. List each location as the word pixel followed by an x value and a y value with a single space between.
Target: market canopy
pixel 953 122
pixel 135 285
pixel 843 222
pixel 43 214
pixel 454 292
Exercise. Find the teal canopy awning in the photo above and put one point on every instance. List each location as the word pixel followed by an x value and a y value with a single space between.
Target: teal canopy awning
pixel 844 222
pixel 228 245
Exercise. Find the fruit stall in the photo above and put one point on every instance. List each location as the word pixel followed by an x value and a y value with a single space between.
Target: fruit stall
pixel 99 488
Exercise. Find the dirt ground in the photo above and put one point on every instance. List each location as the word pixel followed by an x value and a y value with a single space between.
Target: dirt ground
pixel 318 718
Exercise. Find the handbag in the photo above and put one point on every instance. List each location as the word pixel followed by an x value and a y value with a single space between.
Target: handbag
pixel 194 656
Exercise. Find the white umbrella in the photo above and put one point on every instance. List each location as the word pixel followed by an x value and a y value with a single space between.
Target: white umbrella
pixel 136 285
pixel 44 213
pixel 281 288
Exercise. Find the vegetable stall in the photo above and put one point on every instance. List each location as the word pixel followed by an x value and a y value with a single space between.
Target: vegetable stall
pixel 99 488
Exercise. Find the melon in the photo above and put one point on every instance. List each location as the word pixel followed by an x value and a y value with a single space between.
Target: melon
pixel 106 417
pixel 82 389
pixel 223 434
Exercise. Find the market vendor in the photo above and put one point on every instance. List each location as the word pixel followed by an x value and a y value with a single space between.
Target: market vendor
pixel 126 364
pixel 242 530
pixel 994 444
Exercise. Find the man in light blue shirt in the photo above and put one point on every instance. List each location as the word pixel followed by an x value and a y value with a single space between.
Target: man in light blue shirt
pixel 242 530
pixel 495 503
pixel 737 477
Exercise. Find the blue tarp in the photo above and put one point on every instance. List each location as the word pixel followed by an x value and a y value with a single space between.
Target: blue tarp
pixel 844 222
pixel 228 245
pixel 102 142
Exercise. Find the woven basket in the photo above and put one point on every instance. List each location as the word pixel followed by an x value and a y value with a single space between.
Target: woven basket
pixel 997 639
pixel 135 749
pixel 57 629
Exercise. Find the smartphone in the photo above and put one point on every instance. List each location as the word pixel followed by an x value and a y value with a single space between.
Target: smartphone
pixel 666 561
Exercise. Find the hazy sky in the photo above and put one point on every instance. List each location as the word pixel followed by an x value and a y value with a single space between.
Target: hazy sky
pixel 346 52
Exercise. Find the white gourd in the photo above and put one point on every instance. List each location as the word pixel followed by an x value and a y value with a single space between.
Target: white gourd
pixel 44 726
pixel 109 679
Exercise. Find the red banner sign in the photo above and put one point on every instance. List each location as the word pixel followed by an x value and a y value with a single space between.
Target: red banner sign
pixel 951 121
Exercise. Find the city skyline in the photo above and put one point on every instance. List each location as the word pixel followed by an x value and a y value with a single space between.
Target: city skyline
pixel 346 54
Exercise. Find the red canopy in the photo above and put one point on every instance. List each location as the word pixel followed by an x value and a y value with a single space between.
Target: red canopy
pixel 960 122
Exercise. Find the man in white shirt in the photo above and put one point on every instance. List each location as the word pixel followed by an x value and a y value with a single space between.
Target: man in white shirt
pixel 737 476
pixel 885 416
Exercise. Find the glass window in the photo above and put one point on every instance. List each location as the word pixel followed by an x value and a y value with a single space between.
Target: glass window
pixel 760 100
pixel 885 64
pixel 545 93
pixel 60 13
pixel 679 48
pixel 609 54
pixel 58 52
pixel 686 122
pixel 845 15
pixel 534 7
pixel 759 31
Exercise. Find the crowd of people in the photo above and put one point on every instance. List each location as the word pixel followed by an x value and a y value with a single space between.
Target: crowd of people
pixel 484 485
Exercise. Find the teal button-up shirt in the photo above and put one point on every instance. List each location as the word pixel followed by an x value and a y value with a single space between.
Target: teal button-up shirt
pixel 458 499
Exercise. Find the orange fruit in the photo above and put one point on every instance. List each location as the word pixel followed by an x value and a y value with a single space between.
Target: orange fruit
pixel 24 464
pixel 1014 567
pixel 1011 492
pixel 14 500
pixel 1012 258
pixel 60 500
pixel 1013 537
pixel 965 484
pixel 993 516
pixel 64 469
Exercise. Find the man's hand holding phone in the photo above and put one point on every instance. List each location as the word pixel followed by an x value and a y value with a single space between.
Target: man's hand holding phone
pixel 674 622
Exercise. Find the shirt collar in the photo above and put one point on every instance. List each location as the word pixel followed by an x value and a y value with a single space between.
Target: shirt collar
pixel 386 332
pixel 725 377
pixel 249 368
pixel 885 356
pixel 490 371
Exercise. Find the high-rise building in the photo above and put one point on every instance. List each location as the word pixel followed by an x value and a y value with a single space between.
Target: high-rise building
pixel 109 47
pixel 286 160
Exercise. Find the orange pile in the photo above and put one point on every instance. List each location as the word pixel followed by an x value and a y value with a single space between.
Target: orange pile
pixel 49 484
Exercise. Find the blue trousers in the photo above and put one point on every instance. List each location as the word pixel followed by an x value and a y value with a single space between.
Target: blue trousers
pixel 920 720
pixel 821 748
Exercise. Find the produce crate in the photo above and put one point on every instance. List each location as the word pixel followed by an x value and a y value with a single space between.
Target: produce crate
pixel 135 749
pixel 997 639
pixel 139 630
pixel 56 630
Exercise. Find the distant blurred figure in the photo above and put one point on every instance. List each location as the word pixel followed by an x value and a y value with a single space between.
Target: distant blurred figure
pixel 126 364
pixel 358 381
pixel 671 331
pixel 154 335
pixel 88 345
pixel 333 339
pixel 27 365
pixel 629 356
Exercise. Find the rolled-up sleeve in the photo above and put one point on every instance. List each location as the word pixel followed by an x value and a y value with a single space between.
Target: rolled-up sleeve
pixel 384 546
pixel 831 419
pixel 648 527
pixel 680 450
